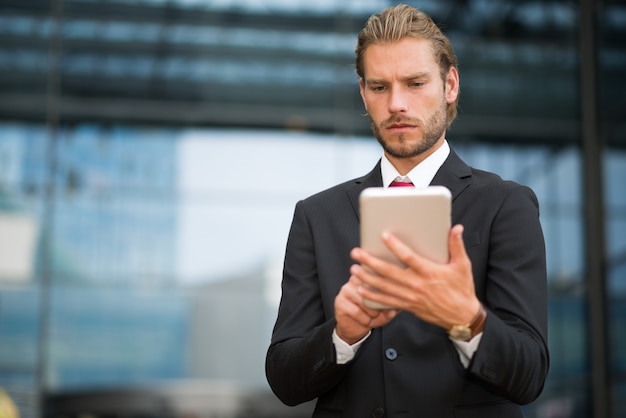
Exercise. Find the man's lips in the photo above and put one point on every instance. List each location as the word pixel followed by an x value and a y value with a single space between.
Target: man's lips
pixel 400 126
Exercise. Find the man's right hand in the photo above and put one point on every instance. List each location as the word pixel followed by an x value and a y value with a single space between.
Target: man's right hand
pixel 354 319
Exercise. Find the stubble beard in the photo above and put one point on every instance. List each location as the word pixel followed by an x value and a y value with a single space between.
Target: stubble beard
pixel 432 130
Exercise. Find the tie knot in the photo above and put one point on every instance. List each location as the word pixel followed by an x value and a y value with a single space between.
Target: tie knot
pixel 397 183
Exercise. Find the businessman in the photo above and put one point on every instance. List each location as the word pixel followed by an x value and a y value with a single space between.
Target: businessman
pixel 467 338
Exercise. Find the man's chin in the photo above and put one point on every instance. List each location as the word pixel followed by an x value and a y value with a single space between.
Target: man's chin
pixel 401 147
pixel 404 152
pixel 405 156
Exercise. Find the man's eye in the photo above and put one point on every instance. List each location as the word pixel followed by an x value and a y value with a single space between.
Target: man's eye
pixel 378 88
pixel 416 84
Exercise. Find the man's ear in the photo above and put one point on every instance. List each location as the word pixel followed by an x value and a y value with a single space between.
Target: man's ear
pixel 362 92
pixel 452 85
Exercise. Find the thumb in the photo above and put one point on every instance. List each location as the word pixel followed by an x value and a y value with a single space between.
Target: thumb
pixel 456 245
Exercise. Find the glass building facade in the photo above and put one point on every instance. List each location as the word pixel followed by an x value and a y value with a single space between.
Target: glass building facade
pixel 152 152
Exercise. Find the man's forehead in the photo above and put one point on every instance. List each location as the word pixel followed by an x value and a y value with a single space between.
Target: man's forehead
pixel 408 58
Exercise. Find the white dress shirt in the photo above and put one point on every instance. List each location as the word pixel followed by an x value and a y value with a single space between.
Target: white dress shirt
pixel 421 176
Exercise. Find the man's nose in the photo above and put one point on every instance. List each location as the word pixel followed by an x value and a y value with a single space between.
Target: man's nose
pixel 398 101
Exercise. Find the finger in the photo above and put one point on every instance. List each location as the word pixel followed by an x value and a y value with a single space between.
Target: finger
pixel 404 253
pixel 350 289
pixel 350 292
pixel 379 297
pixel 376 266
pixel 392 286
pixel 384 317
pixel 368 278
pixel 456 245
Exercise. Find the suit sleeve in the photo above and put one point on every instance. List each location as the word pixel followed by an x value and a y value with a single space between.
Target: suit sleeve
pixel 300 363
pixel 513 354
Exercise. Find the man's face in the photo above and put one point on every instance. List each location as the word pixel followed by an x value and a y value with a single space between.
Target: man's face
pixel 405 96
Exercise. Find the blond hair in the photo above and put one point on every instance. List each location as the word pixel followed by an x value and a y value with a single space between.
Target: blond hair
pixel 398 22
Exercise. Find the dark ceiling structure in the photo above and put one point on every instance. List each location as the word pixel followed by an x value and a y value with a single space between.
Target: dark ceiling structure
pixel 173 63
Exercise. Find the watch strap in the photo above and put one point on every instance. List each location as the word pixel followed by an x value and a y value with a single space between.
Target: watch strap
pixel 478 323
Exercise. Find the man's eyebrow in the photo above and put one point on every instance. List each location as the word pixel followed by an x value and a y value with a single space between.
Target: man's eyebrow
pixel 416 76
pixel 421 75
pixel 374 81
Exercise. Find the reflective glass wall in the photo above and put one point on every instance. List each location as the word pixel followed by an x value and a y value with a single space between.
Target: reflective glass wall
pixel 144 205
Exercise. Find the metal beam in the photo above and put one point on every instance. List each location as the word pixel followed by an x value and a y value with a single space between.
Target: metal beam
pixel 593 145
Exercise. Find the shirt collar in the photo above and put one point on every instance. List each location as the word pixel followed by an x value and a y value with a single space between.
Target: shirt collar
pixel 422 174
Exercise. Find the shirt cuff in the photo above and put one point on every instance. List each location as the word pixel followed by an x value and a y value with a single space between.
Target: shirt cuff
pixel 346 352
pixel 466 349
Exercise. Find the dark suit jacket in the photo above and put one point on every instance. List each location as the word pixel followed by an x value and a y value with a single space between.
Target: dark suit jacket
pixel 410 368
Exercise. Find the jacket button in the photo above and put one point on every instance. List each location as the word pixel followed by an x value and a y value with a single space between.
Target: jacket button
pixel 378 413
pixel 391 354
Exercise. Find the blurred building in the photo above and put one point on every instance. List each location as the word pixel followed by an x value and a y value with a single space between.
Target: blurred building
pixel 144 143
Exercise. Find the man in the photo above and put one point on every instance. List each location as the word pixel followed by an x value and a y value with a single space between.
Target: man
pixel 468 338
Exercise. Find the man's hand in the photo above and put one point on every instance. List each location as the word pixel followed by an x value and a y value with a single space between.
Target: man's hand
pixel 355 320
pixel 442 294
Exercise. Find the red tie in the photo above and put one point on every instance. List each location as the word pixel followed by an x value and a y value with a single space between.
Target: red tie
pixel 401 184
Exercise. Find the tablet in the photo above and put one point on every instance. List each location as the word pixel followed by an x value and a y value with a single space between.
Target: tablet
pixel 421 218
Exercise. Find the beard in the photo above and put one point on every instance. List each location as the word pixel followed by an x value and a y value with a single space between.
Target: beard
pixel 432 130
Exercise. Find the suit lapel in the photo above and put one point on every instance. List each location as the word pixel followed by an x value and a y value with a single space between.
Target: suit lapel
pixel 453 174
pixel 372 179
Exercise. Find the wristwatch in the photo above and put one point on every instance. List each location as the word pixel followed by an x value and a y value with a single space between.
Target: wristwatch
pixel 468 331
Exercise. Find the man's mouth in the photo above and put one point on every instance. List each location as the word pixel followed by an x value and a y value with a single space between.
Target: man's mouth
pixel 400 126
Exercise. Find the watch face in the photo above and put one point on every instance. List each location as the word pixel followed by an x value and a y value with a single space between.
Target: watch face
pixel 460 332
